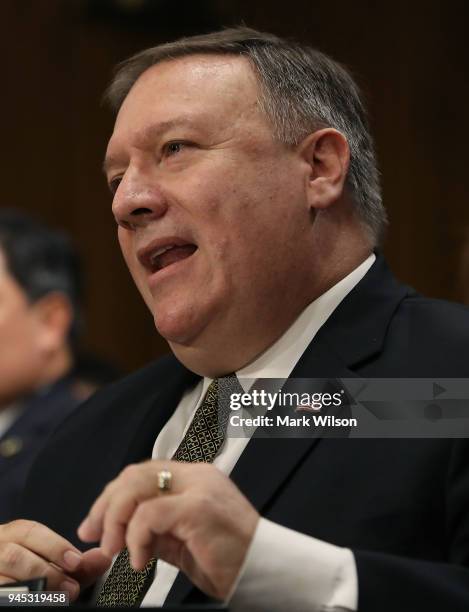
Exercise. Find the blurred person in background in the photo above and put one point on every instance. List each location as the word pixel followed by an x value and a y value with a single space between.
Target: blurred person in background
pixel 42 379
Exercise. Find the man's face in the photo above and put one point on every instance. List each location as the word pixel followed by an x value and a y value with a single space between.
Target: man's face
pixel 213 219
pixel 20 355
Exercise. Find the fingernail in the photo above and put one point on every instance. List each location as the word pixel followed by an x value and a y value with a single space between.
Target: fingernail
pixel 72 560
pixel 72 588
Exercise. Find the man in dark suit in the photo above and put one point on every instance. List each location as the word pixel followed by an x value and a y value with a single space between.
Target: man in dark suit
pixel 42 379
pixel 247 199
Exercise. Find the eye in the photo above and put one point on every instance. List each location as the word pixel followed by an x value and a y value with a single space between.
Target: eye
pixel 172 148
pixel 114 184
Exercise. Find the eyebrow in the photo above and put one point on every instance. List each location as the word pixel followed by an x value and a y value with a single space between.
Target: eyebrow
pixel 148 135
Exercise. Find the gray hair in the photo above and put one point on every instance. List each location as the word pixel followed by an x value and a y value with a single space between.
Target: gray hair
pixel 301 90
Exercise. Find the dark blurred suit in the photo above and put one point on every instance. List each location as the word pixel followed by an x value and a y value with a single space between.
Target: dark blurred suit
pixel 21 443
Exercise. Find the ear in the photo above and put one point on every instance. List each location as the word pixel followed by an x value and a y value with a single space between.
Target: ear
pixel 327 155
pixel 53 315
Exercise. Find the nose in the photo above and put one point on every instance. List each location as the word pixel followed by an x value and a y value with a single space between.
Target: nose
pixel 137 202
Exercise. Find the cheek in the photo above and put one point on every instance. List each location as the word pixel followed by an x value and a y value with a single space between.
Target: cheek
pixel 20 356
pixel 229 239
pixel 265 248
pixel 18 332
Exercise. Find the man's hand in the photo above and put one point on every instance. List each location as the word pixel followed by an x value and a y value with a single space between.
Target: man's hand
pixel 31 550
pixel 203 524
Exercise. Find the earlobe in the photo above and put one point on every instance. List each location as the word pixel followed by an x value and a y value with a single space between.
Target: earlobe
pixel 54 317
pixel 327 155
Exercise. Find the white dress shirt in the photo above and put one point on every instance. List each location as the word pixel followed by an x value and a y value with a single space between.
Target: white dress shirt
pixel 8 416
pixel 283 569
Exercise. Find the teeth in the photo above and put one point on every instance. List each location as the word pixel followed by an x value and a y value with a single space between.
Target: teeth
pixel 160 252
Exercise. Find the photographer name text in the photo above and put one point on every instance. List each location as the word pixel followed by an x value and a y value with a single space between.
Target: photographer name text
pixel 315 420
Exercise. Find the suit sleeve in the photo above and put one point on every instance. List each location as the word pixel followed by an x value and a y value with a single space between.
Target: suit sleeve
pixel 389 583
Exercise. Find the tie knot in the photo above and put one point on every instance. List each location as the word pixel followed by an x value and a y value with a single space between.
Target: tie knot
pixel 206 433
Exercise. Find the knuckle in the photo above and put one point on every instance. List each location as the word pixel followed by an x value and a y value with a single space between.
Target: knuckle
pixel 207 467
pixel 29 527
pixel 202 503
pixel 11 555
pixel 130 471
pixel 108 488
pixel 204 470
pixel 15 529
pixel 24 528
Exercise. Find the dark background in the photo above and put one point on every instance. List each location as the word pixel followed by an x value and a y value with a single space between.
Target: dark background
pixel 411 59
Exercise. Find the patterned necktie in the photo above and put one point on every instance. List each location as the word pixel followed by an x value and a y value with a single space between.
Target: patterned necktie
pixel 126 587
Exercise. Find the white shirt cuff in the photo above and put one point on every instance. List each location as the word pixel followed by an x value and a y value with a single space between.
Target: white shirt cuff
pixel 287 570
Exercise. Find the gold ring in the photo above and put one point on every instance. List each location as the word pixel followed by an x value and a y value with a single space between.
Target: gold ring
pixel 164 480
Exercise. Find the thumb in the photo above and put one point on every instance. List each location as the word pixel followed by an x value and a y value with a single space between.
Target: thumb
pixel 93 565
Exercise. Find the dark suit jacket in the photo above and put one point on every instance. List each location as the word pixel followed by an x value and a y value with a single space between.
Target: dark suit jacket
pixel 22 442
pixel 401 505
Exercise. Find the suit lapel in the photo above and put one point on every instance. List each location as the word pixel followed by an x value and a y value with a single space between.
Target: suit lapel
pixel 158 410
pixel 134 431
pixel 260 480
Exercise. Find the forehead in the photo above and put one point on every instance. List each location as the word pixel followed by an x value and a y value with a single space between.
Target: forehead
pixel 210 88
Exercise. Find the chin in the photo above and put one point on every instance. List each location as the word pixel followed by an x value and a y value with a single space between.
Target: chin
pixel 187 337
pixel 177 327
pixel 182 318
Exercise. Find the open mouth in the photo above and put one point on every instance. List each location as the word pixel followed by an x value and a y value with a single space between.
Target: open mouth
pixel 158 257
pixel 164 257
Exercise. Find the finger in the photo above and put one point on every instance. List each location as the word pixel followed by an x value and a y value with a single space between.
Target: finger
pixel 91 528
pixel 133 477
pixel 152 518
pixel 108 517
pixel 18 564
pixel 140 555
pixel 93 565
pixel 169 549
pixel 43 541
pixel 118 514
